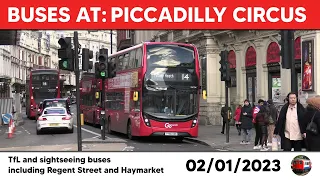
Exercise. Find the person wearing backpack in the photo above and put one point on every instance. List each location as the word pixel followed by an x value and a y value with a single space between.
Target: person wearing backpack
pixel 273 115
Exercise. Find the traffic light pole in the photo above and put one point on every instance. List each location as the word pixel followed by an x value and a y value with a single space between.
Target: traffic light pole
pixel 294 79
pixel 227 107
pixel 103 112
pixel 77 73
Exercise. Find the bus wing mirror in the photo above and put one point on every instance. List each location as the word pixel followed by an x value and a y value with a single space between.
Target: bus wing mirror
pixel 135 96
pixel 204 94
pixel 97 95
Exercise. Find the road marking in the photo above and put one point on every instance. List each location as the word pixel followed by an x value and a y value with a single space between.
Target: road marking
pixel 91 132
pixel 128 148
pixel 25 130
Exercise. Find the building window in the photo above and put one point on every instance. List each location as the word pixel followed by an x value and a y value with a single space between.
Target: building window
pixel 128 34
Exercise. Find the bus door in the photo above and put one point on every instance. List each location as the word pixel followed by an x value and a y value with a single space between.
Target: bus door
pixel 135 112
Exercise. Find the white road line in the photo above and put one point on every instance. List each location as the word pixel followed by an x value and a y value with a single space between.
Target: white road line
pixel 91 132
pixel 128 148
pixel 25 130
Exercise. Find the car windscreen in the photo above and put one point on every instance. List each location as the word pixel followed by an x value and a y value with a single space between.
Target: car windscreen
pixel 55 103
pixel 58 111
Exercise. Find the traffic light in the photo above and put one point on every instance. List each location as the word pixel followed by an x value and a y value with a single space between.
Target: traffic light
pixel 86 56
pixel 66 54
pixel 112 68
pixel 287 48
pixel 103 66
pixel 225 71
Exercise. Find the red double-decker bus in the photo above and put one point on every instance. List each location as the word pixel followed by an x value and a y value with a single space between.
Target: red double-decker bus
pixel 89 102
pixel 41 84
pixel 155 91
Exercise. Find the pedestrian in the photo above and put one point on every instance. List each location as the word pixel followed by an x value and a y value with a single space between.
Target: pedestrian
pixel 262 121
pixel 290 124
pixel 257 141
pixel 273 116
pixel 312 124
pixel 237 118
pixel 246 122
pixel 224 115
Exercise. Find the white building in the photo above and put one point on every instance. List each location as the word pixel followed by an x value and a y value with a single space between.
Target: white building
pixel 39 49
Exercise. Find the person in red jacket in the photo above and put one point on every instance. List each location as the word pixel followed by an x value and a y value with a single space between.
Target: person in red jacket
pixel 237 118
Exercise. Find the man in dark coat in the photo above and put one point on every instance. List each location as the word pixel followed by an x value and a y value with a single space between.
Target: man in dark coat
pixel 224 115
pixel 290 124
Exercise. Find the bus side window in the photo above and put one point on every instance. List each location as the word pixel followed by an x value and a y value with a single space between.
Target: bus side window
pixel 132 56
pixel 138 58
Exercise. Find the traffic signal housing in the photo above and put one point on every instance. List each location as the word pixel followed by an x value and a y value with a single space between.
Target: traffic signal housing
pixel 287 48
pixel 86 56
pixel 224 69
pixel 103 66
pixel 112 68
pixel 66 53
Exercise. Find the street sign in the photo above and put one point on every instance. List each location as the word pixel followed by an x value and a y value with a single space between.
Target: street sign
pixel 6 118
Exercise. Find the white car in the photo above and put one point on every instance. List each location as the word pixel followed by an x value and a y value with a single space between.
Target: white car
pixel 55 118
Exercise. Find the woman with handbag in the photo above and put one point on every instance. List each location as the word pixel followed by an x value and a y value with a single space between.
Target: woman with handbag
pixel 312 124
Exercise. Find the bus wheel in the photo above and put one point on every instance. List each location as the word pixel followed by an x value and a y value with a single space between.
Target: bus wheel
pixel 108 128
pixel 129 129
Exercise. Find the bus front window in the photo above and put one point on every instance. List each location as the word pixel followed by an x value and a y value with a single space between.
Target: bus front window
pixel 178 103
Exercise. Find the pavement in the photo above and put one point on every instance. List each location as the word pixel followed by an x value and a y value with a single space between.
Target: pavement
pixel 211 136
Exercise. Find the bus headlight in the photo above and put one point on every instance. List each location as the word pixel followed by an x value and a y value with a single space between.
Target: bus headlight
pixel 194 123
pixel 147 122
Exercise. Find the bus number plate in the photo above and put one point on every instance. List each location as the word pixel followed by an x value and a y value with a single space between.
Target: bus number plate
pixel 171 134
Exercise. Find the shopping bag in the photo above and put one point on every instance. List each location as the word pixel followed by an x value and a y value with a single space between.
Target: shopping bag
pixel 275 144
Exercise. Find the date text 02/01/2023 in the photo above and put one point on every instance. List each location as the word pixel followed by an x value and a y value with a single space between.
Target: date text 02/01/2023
pixel 222 165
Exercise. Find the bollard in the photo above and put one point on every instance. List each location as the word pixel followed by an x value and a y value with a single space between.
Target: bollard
pixel 82 119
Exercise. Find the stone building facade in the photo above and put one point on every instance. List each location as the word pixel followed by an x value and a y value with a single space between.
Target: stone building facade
pixel 256 71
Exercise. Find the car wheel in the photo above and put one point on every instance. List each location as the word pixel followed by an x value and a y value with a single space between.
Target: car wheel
pixel 71 131
pixel 38 132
